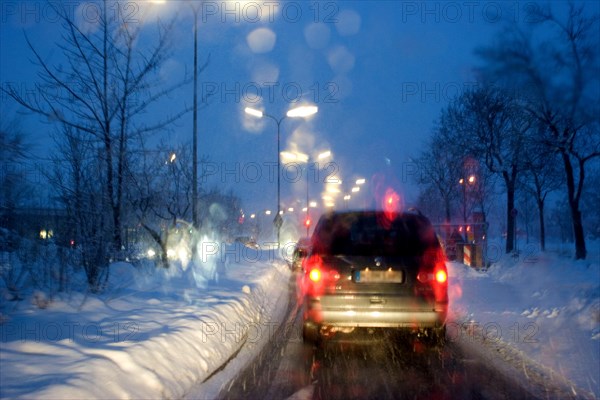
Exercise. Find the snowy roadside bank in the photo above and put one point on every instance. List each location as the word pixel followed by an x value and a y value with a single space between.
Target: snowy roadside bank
pixel 153 338
pixel 542 312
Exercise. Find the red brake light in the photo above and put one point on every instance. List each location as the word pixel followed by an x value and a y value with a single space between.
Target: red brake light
pixel 441 276
pixel 317 272
pixel 434 269
pixel 315 275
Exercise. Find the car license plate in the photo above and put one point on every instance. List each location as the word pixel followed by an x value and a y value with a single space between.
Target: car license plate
pixel 369 276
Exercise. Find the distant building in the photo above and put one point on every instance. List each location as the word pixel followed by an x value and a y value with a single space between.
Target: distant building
pixel 39 223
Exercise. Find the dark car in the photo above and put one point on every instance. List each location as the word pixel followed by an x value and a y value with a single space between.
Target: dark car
pixel 301 249
pixel 371 269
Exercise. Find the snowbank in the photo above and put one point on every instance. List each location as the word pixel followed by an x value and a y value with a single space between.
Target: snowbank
pixel 153 335
pixel 543 305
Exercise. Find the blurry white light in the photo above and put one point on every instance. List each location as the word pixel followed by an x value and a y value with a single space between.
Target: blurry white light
pixel 182 254
pixel 347 197
pixel 291 209
pixel 327 197
pixel 312 204
pixel 305 209
pixel 254 112
pixel 329 204
pixel 301 157
pixel 151 253
pixel 268 212
pixel 324 154
pixel 261 40
pixel 280 212
pixel 173 157
pixel 360 181
pixel 355 189
pixel 252 216
pixel 333 190
pixel 303 111
pixel 334 180
pixel 170 253
pixel 289 156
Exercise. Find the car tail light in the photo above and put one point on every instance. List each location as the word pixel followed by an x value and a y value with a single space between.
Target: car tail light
pixel 433 268
pixel 315 274
pixel 319 275
pixel 433 275
pixel 441 276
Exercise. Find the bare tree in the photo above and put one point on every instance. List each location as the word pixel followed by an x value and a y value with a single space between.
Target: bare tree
pixel 13 180
pixel 104 89
pixel 590 200
pixel 74 177
pixel 554 68
pixel 161 192
pixel 540 178
pixel 440 169
pixel 489 125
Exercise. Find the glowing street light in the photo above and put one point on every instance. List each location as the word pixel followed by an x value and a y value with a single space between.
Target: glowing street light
pixel 254 112
pixel 324 155
pixel 303 111
pixel 347 198
pixel 471 179
pixel 298 112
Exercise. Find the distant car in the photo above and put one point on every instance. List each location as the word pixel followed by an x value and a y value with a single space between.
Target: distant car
pixel 371 269
pixel 247 241
pixel 301 250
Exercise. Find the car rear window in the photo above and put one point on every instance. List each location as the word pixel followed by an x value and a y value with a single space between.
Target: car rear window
pixel 371 234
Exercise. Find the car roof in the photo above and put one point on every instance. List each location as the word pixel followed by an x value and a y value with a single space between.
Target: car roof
pixel 410 214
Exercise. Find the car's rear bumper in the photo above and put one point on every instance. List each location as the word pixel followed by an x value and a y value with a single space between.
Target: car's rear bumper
pixel 377 317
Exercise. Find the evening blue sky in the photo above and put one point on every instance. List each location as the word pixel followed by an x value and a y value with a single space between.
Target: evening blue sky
pixel 379 71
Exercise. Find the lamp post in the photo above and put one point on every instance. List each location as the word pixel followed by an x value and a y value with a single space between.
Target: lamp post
pixel 298 112
pixel 464 182
pixel 195 222
pixel 195 128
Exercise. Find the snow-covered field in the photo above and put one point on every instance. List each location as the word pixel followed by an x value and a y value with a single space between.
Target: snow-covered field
pixel 157 334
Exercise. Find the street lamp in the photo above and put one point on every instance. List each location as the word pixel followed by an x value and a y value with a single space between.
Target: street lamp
pixel 470 180
pixel 195 127
pixel 195 11
pixel 298 112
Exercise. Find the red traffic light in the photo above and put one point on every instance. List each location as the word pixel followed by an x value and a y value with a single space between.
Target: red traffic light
pixel 307 222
